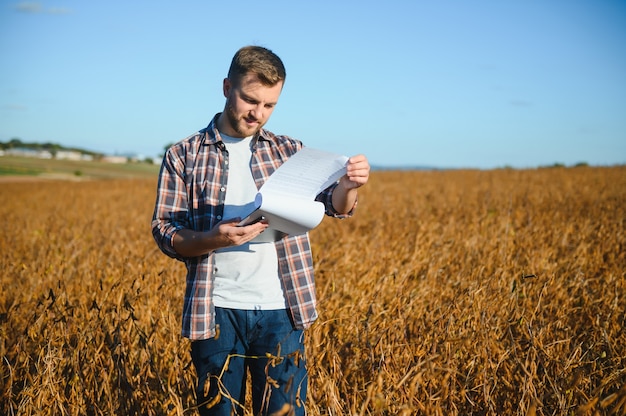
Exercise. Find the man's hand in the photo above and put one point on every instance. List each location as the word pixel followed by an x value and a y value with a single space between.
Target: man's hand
pixel 227 233
pixel 358 172
pixel 357 175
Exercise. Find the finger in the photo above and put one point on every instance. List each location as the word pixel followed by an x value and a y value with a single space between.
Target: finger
pixel 358 157
pixel 358 173
pixel 230 221
pixel 359 177
pixel 358 162
pixel 256 227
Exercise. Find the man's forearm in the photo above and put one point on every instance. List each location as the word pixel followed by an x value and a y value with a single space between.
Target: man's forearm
pixel 343 199
pixel 189 243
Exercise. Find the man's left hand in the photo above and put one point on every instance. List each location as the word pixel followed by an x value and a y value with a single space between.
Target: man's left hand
pixel 358 172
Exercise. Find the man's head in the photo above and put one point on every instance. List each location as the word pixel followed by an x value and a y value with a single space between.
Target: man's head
pixel 258 60
pixel 255 81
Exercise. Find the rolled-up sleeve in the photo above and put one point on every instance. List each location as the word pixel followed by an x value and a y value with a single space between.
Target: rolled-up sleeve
pixel 171 210
pixel 326 197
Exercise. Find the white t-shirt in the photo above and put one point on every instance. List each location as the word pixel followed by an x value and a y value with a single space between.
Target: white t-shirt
pixel 246 276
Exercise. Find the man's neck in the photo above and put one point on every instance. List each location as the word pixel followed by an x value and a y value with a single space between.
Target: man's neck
pixel 223 127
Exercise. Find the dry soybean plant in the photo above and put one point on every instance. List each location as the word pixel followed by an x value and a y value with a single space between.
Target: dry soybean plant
pixel 448 293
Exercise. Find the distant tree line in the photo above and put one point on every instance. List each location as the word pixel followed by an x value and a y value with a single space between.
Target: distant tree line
pixel 53 148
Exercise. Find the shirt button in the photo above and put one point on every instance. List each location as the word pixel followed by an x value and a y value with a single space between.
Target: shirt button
pixel 219 217
pixel 222 189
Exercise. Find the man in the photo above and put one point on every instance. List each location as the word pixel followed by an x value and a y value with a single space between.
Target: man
pixel 246 302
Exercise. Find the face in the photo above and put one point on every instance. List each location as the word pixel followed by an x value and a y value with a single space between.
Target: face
pixel 249 106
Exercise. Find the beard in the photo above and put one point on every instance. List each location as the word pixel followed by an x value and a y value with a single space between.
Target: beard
pixel 238 125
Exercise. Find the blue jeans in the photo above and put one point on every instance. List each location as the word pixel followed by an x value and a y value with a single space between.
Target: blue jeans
pixel 266 344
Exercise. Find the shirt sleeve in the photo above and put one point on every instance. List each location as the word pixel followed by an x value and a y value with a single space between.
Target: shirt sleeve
pixel 326 197
pixel 171 208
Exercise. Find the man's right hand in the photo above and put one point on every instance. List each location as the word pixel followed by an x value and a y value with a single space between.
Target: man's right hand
pixel 227 233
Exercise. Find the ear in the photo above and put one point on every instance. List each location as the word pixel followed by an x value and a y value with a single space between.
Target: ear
pixel 226 87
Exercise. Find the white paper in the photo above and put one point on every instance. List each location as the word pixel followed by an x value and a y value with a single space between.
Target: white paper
pixel 306 173
pixel 287 199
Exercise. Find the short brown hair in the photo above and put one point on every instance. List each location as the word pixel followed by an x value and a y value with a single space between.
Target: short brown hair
pixel 260 61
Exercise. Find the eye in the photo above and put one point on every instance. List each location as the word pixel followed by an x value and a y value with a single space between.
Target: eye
pixel 248 99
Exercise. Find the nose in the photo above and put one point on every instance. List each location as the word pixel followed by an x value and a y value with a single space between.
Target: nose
pixel 257 111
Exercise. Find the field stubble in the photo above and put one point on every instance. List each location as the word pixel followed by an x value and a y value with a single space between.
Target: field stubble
pixel 448 293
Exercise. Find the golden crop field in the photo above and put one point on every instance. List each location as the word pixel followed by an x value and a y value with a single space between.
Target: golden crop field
pixel 497 292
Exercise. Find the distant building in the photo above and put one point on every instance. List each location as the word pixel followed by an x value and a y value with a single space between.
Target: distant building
pixel 115 159
pixel 69 155
pixel 25 152
pixel 132 157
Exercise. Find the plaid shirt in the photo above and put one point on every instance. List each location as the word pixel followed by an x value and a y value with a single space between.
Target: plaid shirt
pixel 191 193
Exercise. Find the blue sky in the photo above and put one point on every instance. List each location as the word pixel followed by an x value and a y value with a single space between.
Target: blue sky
pixel 478 84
